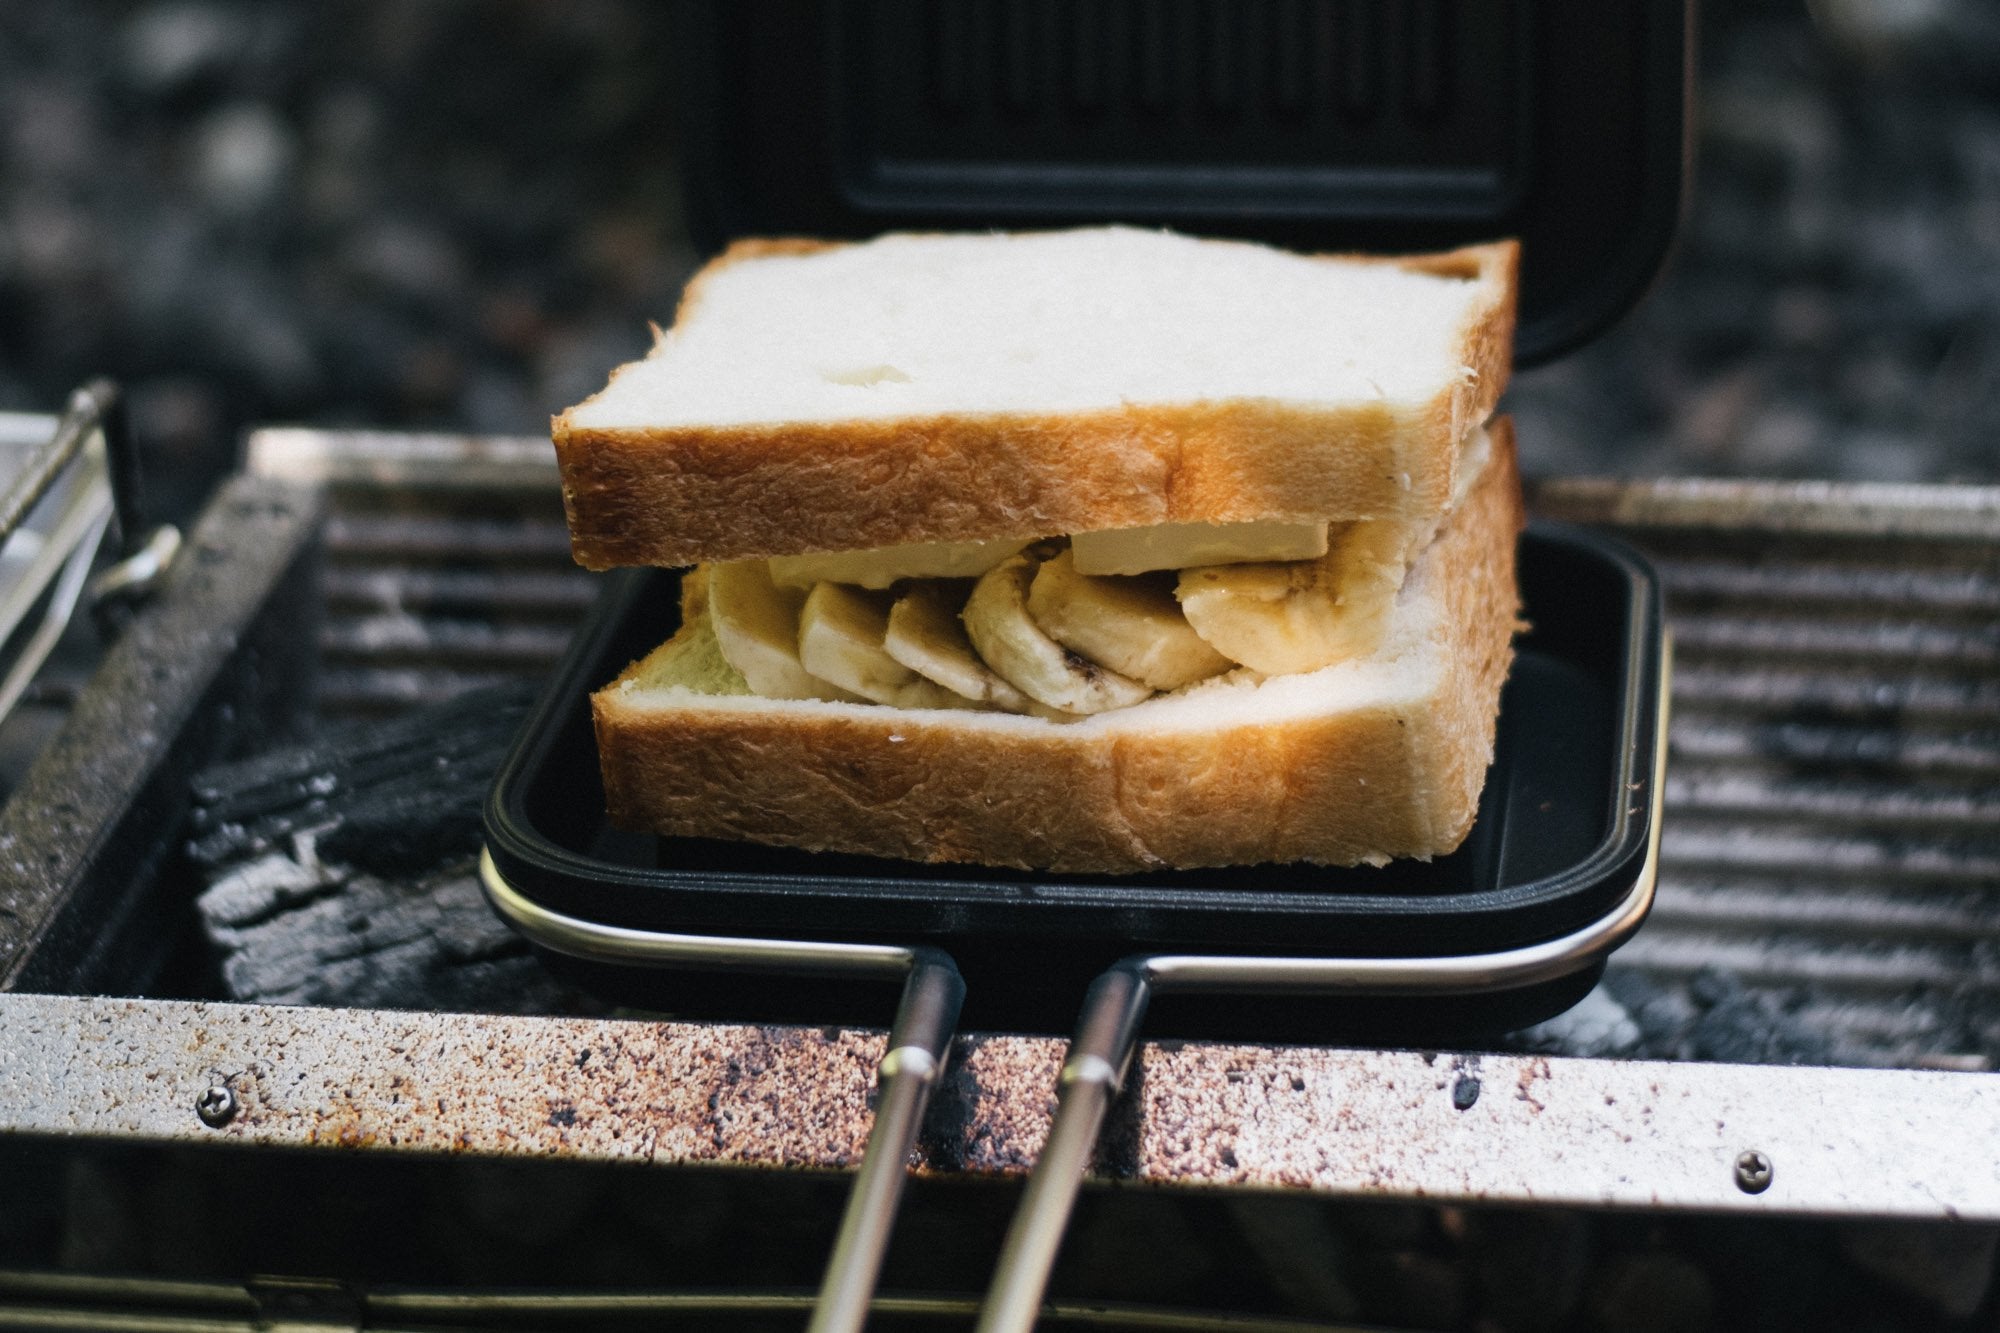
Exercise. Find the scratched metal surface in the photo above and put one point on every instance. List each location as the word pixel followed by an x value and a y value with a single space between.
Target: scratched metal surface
pixel 1383 1124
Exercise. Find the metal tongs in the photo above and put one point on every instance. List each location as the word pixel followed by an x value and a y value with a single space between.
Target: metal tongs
pixel 61 498
pixel 919 1041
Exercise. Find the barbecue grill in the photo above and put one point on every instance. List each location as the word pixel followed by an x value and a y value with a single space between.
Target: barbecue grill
pixel 1832 744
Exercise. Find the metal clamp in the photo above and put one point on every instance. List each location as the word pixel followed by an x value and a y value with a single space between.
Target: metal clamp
pixel 135 576
pixel 919 1042
pixel 53 518
pixel 65 498
pixel 1107 1036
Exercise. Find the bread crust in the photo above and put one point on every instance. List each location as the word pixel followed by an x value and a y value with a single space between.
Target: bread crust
pixel 679 495
pixel 1361 785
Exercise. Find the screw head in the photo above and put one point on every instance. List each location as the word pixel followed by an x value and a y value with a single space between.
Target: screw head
pixel 1753 1172
pixel 216 1106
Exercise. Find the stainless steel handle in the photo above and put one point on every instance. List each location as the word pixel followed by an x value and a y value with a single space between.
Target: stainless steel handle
pixel 81 419
pixel 601 943
pixel 1108 1034
pixel 919 1042
pixel 918 1046
pixel 1092 1076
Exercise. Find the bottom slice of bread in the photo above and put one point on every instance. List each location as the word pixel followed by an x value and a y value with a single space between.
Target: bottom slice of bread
pixel 1363 761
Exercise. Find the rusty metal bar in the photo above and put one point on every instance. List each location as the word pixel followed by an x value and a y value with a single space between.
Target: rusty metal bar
pixel 211 661
pixel 1369 1124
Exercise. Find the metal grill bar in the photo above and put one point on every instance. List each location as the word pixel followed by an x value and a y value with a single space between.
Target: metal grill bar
pixel 1788 695
pixel 1833 806
pixel 1788 959
pixel 1778 798
pixel 1820 859
pixel 448 563
pixel 1896 644
pixel 1728 743
pixel 1831 584
pixel 1870 915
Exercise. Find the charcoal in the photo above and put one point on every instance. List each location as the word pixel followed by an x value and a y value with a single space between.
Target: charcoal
pixel 295 929
pixel 343 871
pixel 1715 1016
pixel 1597 1025
pixel 269 780
pixel 392 797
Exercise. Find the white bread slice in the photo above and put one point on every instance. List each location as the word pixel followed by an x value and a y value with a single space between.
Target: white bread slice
pixel 931 388
pixel 1361 762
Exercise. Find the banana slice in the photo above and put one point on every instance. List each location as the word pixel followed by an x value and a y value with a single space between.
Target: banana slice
pixel 1301 615
pixel 1130 624
pixel 757 627
pixel 1180 545
pixel 880 566
pixel 926 635
pixel 840 640
pixel 1003 632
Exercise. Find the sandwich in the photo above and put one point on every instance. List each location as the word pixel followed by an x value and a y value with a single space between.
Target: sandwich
pixel 1092 551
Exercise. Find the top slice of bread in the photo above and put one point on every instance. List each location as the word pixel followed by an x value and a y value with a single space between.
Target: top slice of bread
pixel 924 388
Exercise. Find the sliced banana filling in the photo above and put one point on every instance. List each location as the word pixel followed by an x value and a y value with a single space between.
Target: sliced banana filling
pixel 1066 627
pixel 1035 634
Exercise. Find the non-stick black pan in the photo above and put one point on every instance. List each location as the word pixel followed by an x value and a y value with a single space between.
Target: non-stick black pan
pixel 1561 837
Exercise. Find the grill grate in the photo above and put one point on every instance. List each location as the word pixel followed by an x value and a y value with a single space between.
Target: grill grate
pixel 1832 839
pixel 1832 834
pixel 448 564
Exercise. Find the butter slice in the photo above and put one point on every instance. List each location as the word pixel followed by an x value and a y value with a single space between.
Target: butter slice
pixel 1181 545
pixel 881 566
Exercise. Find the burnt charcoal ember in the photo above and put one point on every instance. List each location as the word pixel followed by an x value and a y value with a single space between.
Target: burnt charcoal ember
pixel 1597 1025
pixel 343 871
pixel 1711 1015
pixel 392 797
pixel 295 929
pixel 1714 1016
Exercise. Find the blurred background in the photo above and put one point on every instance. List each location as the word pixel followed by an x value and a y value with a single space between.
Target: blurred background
pixel 459 214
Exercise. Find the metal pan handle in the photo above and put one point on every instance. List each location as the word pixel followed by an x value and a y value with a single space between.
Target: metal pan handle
pixel 919 1042
pixel 1107 1035
pixel 918 1045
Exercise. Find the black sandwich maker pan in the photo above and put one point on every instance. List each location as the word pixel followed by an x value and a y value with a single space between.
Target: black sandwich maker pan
pixel 1562 838
pixel 1391 125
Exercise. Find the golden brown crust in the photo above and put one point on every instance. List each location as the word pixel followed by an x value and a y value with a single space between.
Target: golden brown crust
pixel 675 496
pixel 1351 786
